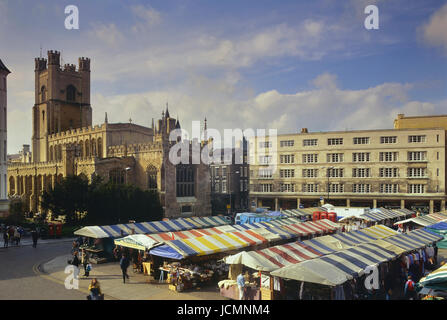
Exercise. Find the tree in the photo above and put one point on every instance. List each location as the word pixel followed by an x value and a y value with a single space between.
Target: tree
pixel 111 203
pixel 16 212
pixel 68 198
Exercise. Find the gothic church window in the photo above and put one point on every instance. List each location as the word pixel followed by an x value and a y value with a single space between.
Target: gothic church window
pixel 152 178
pixel 185 180
pixel 71 93
pixel 117 176
pixel 43 97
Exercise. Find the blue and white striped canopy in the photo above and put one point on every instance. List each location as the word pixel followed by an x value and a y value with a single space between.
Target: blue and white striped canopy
pixel 181 224
pixel 380 214
pixel 413 240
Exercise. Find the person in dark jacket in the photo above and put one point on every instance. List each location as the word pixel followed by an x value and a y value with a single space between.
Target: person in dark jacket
pixel 5 239
pixel 34 236
pixel 124 264
pixel 75 260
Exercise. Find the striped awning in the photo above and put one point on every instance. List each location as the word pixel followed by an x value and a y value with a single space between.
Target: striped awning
pixel 272 258
pixel 296 213
pixel 378 231
pixel 137 241
pixel 206 245
pixel 311 228
pixel 413 240
pixel 436 279
pixel 337 268
pixel 426 220
pixel 120 230
pixel 380 214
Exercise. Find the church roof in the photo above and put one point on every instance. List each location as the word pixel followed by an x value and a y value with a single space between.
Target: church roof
pixel 3 67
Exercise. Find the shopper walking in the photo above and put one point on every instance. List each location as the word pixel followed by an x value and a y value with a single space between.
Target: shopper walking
pixel 85 260
pixel 34 236
pixel 17 236
pixel 124 264
pixel 5 238
pixel 410 290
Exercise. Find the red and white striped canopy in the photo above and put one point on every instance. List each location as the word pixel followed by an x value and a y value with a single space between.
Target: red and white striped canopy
pixel 273 258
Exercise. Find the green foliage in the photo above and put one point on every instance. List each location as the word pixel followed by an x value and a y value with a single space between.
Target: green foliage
pixel 68 198
pixel 101 203
pixel 16 212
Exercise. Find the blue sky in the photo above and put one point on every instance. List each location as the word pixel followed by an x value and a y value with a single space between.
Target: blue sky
pixel 242 64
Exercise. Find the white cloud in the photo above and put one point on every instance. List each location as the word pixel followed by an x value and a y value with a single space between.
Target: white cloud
pixel 107 34
pixel 434 32
pixel 147 16
pixel 225 105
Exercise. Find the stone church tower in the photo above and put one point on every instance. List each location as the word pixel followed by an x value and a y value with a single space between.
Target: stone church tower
pixel 62 100
pixel 3 139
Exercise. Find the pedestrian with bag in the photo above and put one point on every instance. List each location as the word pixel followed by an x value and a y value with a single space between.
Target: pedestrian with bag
pixel 85 260
pixel 124 264
pixel 410 290
pixel 75 260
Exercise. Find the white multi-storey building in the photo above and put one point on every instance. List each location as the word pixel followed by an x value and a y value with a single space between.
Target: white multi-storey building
pixel 402 167
pixel 3 139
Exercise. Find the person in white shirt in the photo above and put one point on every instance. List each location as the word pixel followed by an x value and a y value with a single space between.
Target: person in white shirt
pixel 241 285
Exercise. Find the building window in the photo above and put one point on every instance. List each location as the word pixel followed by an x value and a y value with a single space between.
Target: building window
pixel 334 141
pixel 152 178
pixel 310 173
pixel 417 172
pixel 265 173
pixel 336 188
pixel 265 144
pixel 389 188
pixel 389 172
pixel 335 157
pixel 310 142
pixel 266 187
pixel 361 188
pixel 71 93
pixel 287 187
pixel 265 159
pixel 43 96
pixel 287 143
pixel 391 139
pixel 417 156
pixel 310 158
pixel 388 156
pixel 416 139
pixel 185 180
pixel 416 188
pixel 361 140
pixel 310 187
pixel 361 172
pixel 287 173
pixel 360 157
pixel 287 158
pixel 117 176
pixel 335 173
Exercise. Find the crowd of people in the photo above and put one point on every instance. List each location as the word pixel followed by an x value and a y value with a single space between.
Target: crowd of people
pixel 12 235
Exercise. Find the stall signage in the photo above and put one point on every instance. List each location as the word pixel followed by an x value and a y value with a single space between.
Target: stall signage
pixel 265 281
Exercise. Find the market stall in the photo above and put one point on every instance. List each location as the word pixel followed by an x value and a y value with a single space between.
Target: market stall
pixel 201 250
pixel 434 285
pixel 421 221
pixel 441 229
